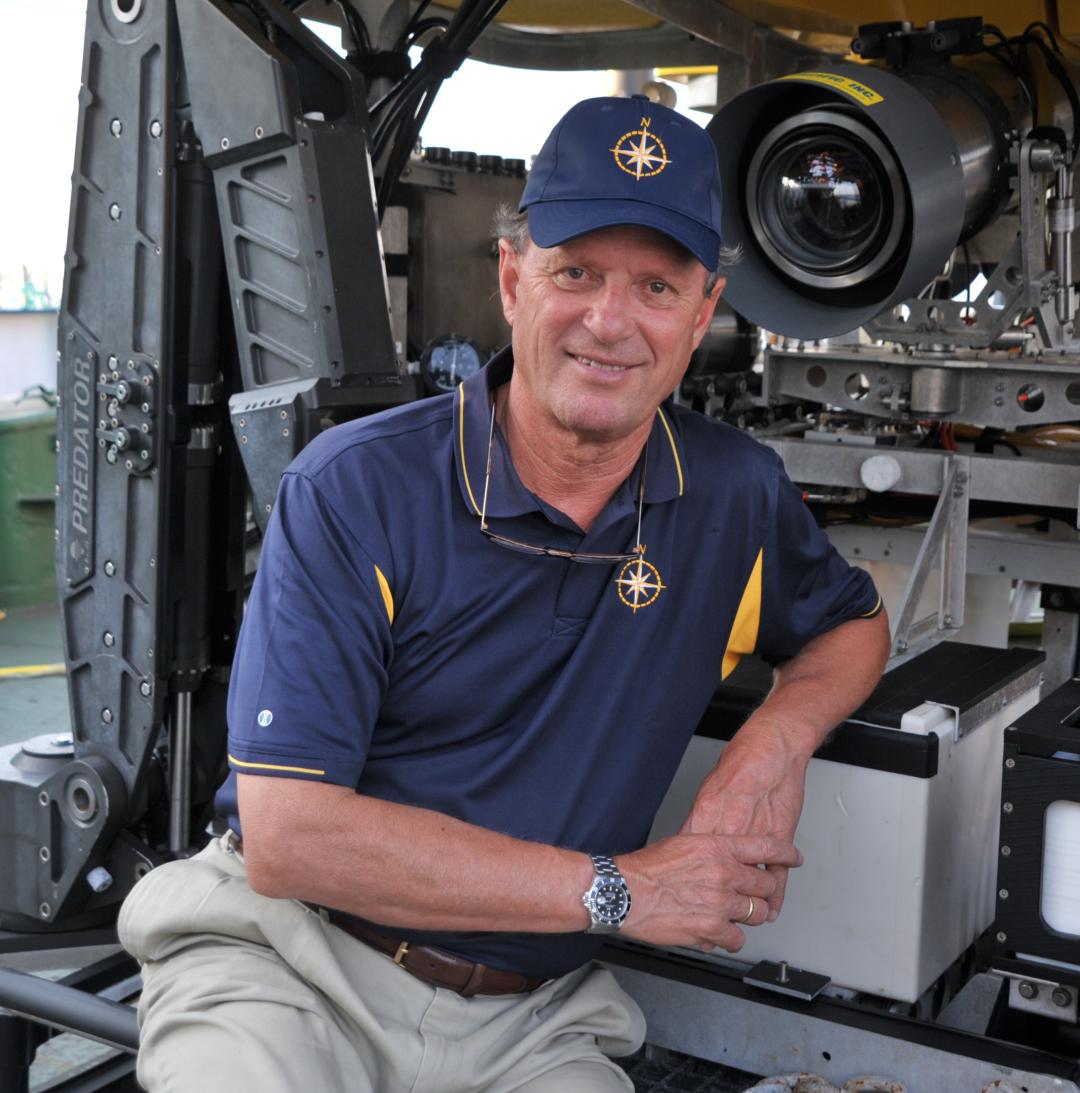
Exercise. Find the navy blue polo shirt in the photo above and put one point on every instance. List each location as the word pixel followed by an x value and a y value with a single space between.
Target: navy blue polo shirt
pixel 389 646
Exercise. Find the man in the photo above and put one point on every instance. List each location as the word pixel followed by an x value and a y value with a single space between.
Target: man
pixel 483 631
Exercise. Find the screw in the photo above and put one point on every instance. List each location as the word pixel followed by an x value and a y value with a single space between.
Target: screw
pixel 114 211
pixel 116 127
pixel 145 407
pixel 43 798
pixel 782 974
pixel 108 638
pixel 1010 763
pixel 144 454
pixel 1007 806
pixel 284 432
pixel 243 438
pixel 1006 851
pixel 128 464
pixel 1062 997
pixel 901 646
pixel 266 507
pixel 1001 936
pixel 106 715
pixel 283 414
pixel 155 129
pixel 45 910
pixel 241 423
pixel 1028 990
pixel 258 131
pixel 111 455
pixel 224 143
pixel 1003 893
pixel 44 854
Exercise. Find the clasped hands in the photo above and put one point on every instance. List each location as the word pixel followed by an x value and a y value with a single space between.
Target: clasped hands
pixel 694 888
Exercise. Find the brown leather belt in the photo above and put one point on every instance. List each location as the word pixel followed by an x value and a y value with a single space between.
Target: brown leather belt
pixel 435 966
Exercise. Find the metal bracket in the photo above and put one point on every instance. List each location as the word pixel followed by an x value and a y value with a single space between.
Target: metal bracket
pixel 947 533
pixel 786 980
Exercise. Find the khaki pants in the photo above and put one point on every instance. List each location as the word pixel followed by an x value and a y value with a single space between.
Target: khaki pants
pixel 245 992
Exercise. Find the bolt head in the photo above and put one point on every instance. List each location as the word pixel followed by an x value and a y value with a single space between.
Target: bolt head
pixel 155 128
pixel 1028 990
pixel 1001 936
pixel 1003 893
pixel 1010 763
pixel 106 715
pixel 1007 807
pixel 1061 996
pixel 1006 851
pixel 110 569
pixel 114 211
pixel 116 127
pixel 108 639
pixel 145 689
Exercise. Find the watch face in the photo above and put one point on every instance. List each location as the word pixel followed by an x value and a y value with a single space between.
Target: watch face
pixel 610 901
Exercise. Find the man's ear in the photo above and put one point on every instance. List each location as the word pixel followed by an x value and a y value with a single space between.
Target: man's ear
pixel 509 277
pixel 705 314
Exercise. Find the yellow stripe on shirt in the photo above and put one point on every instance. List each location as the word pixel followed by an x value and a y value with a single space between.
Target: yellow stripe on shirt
pixel 273 766
pixel 744 630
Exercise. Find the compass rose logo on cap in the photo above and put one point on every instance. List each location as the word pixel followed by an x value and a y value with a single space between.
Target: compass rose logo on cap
pixel 639 584
pixel 644 157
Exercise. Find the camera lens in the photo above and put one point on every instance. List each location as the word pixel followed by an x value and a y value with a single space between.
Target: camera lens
pixel 825 200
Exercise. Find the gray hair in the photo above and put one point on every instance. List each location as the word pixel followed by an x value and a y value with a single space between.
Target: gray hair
pixel 513 226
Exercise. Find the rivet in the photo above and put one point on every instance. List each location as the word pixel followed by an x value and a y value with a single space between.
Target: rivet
pixel 116 127
pixel 114 211
pixel 145 688
pixel 155 128
pixel 224 143
pixel 106 715
pixel 258 131
pixel 43 798
pixel 45 910
pixel 44 854
pixel 108 639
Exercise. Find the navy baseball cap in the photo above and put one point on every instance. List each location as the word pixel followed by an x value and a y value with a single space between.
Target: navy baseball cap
pixel 626 161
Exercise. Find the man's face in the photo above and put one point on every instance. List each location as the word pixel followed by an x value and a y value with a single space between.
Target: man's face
pixel 603 326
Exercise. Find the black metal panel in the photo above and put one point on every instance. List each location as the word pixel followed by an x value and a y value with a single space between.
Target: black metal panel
pixel 294 188
pixel 1041 766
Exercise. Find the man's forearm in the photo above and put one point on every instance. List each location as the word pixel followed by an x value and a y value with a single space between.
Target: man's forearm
pixel 408 866
pixel 820 686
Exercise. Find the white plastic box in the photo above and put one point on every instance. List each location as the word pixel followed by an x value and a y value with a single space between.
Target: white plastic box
pixel 900 871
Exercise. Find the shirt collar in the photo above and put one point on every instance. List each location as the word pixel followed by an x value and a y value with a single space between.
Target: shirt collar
pixel 665 474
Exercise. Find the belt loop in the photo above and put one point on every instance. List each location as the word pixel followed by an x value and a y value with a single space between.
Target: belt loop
pixel 472 984
pixel 402 950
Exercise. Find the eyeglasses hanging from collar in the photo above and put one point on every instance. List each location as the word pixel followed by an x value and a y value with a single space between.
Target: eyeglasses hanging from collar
pixel 585 557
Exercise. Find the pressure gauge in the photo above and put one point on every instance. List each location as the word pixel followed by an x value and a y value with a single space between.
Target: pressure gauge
pixel 449 359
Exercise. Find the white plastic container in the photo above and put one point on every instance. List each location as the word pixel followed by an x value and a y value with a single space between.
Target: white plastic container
pixel 900 872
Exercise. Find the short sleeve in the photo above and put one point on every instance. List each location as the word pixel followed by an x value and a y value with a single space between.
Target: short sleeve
pixel 807 587
pixel 313 655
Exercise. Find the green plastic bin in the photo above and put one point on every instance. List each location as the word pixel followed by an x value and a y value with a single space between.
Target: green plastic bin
pixel 27 501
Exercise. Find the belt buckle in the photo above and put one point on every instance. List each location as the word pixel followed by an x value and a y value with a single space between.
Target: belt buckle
pixel 402 950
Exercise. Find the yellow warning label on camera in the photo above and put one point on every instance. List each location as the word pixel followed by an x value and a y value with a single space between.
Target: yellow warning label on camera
pixel 858 91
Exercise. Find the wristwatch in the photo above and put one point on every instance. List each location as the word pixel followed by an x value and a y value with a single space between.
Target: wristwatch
pixel 608 897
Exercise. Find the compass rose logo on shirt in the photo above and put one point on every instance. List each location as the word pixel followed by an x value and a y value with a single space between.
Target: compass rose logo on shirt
pixel 639 584
pixel 640 152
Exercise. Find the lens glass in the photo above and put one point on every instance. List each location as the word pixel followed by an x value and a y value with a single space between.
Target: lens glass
pixel 823 199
